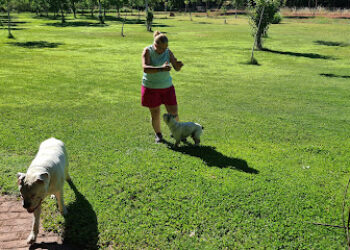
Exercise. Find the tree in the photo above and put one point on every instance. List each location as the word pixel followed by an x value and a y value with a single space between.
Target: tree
pixel 8 5
pixel 73 5
pixel 118 5
pixel 149 20
pixel 256 6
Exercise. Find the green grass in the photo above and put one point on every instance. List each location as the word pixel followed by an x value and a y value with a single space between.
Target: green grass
pixel 247 187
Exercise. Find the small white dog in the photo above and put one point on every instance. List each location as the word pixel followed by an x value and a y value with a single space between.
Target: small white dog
pixel 45 175
pixel 181 130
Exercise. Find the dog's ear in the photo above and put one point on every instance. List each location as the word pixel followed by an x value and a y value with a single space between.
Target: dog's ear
pixel 20 178
pixel 43 178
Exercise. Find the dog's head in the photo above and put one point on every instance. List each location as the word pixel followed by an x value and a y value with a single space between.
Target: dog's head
pixel 33 189
pixel 168 118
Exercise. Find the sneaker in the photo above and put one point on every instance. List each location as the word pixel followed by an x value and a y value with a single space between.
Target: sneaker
pixel 158 137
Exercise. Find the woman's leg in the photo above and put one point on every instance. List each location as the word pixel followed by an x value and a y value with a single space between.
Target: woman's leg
pixel 155 114
pixel 172 109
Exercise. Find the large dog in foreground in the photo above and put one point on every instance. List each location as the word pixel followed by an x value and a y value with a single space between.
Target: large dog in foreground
pixel 181 130
pixel 45 175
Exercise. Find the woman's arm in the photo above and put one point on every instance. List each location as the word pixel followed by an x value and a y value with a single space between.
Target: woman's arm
pixel 176 64
pixel 148 68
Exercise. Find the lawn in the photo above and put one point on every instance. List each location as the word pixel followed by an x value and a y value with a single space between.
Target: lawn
pixel 275 150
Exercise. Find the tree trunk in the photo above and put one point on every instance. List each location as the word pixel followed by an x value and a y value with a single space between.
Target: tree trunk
pixel 104 12
pixel 62 14
pixel 259 40
pixel 118 11
pixel 123 25
pixel 74 10
pixel 9 22
pixel 207 7
pixel 92 11
pixel 236 10
pixel 260 31
pixel 100 12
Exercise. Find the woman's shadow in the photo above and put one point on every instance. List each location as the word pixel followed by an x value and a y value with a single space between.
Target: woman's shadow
pixel 80 226
pixel 213 158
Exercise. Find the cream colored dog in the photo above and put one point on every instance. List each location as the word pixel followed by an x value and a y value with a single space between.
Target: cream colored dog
pixel 45 175
pixel 181 130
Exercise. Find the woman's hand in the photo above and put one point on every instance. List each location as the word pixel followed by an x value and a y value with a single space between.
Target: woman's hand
pixel 166 67
pixel 179 65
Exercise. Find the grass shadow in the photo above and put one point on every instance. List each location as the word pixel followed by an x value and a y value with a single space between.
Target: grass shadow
pixel 308 55
pixel 328 43
pixel 213 158
pixel 36 44
pixel 13 23
pixel 80 224
pixel 76 24
pixel 336 76
pixel 254 63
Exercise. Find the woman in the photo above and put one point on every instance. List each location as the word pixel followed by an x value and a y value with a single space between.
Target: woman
pixel 157 87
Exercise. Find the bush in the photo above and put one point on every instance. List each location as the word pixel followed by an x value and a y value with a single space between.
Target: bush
pixel 277 18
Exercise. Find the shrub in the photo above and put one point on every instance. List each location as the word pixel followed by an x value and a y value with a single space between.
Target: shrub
pixel 277 18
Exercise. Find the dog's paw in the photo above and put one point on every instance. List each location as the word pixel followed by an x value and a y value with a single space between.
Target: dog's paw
pixel 31 238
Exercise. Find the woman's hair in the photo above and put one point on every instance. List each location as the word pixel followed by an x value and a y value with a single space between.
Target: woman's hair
pixel 159 37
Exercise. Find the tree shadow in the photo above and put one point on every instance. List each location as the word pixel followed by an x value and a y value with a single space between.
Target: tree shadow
pixel 76 24
pixel 329 43
pixel 299 17
pixel 48 17
pixel 160 25
pixel 213 158
pixel 36 44
pixel 308 55
pixel 5 28
pixel 127 21
pixel 80 224
pixel 336 76
pixel 52 246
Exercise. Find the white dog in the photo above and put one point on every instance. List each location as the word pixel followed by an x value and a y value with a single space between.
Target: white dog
pixel 46 175
pixel 181 130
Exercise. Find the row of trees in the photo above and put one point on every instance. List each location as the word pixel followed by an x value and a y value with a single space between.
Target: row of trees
pixel 318 3
pixel 56 6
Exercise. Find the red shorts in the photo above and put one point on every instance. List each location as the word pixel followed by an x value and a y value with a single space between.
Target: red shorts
pixel 152 98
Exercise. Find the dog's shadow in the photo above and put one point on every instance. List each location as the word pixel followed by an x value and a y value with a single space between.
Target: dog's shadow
pixel 80 226
pixel 213 158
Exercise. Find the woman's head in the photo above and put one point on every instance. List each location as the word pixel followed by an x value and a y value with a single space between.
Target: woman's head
pixel 160 41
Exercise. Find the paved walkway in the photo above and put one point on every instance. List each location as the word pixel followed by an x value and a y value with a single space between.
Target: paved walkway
pixel 15 225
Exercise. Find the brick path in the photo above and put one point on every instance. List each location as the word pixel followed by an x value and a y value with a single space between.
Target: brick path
pixel 15 225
